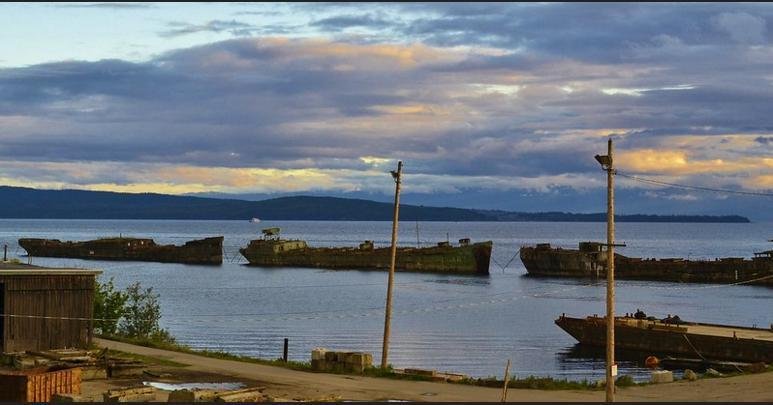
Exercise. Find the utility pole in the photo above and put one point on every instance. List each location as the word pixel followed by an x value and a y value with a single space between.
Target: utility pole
pixel 396 175
pixel 607 164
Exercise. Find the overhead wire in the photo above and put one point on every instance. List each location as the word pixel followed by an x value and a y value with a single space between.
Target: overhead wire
pixel 689 187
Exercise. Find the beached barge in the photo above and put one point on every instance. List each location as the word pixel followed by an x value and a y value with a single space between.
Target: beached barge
pixel 202 251
pixel 653 337
pixel 590 260
pixel 469 258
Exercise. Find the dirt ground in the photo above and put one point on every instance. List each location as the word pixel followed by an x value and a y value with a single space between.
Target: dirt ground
pixel 299 385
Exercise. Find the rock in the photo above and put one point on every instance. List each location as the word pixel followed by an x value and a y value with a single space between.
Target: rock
pixel 713 373
pixel 662 376
pixel 690 375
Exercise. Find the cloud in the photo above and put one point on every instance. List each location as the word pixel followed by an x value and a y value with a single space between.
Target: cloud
pixel 742 27
pixel 342 22
pixel 235 28
pixel 677 162
pixel 493 96
pixel 115 6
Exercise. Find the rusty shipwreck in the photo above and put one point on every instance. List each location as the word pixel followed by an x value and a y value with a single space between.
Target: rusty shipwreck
pixel 465 258
pixel 202 251
pixel 657 337
pixel 590 261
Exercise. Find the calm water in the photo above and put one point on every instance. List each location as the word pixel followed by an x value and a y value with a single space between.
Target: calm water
pixel 454 323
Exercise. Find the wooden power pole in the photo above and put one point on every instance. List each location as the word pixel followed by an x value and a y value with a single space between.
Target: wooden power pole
pixel 607 163
pixel 388 310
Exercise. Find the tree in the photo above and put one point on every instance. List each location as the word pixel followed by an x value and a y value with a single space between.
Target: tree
pixel 108 307
pixel 141 314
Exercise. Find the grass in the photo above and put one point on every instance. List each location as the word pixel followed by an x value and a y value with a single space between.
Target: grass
pixel 530 382
pixel 216 354
pixel 145 359
pixel 536 383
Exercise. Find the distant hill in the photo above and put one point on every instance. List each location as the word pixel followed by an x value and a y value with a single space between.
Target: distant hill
pixel 19 202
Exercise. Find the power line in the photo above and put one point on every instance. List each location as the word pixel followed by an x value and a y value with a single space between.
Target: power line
pixel 684 186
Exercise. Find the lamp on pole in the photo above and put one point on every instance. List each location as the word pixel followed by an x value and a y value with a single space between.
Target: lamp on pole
pixel 607 165
pixel 397 176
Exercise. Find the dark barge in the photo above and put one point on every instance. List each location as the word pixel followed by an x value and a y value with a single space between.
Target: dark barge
pixel 653 337
pixel 202 251
pixel 466 258
pixel 590 261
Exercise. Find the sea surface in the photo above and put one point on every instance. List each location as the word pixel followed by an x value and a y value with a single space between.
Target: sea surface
pixel 466 324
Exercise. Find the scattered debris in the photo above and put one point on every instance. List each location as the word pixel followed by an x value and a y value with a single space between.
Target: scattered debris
pixel 244 395
pixel 713 373
pixel 134 394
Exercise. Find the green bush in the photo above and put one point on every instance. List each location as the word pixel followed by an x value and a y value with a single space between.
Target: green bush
pixel 108 307
pixel 141 313
pixel 625 381
pixel 133 313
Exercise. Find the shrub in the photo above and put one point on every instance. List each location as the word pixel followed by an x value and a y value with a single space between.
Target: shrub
pixel 108 307
pixel 141 314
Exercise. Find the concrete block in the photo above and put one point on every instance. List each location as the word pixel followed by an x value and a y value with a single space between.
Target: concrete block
pixel 318 353
pixel 418 371
pixel 192 396
pixel 331 356
pixel 662 376
pixel 138 394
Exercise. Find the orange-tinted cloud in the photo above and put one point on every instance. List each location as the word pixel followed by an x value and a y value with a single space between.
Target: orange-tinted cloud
pixel 677 162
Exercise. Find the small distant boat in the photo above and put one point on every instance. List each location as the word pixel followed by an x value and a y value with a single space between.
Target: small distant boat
pixel 255 220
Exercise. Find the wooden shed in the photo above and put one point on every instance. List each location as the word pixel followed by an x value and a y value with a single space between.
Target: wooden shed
pixel 43 308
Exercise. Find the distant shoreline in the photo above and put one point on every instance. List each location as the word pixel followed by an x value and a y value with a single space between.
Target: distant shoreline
pixel 28 203
pixel 617 219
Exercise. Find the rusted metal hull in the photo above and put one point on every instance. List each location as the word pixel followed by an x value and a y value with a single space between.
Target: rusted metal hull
pixel 469 259
pixel 202 251
pixel 558 262
pixel 653 337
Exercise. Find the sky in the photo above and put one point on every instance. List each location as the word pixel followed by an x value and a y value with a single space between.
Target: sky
pixel 499 105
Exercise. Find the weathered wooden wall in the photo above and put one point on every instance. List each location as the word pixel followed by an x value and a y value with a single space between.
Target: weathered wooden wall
pixel 37 296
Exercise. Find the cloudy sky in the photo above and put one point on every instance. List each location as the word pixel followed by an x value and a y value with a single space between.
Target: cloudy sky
pixel 489 105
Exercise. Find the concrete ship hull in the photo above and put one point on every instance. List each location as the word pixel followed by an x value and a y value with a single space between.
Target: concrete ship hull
pixel 202 251
pixel 469 259
pixel 556 262
pixel 712 342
